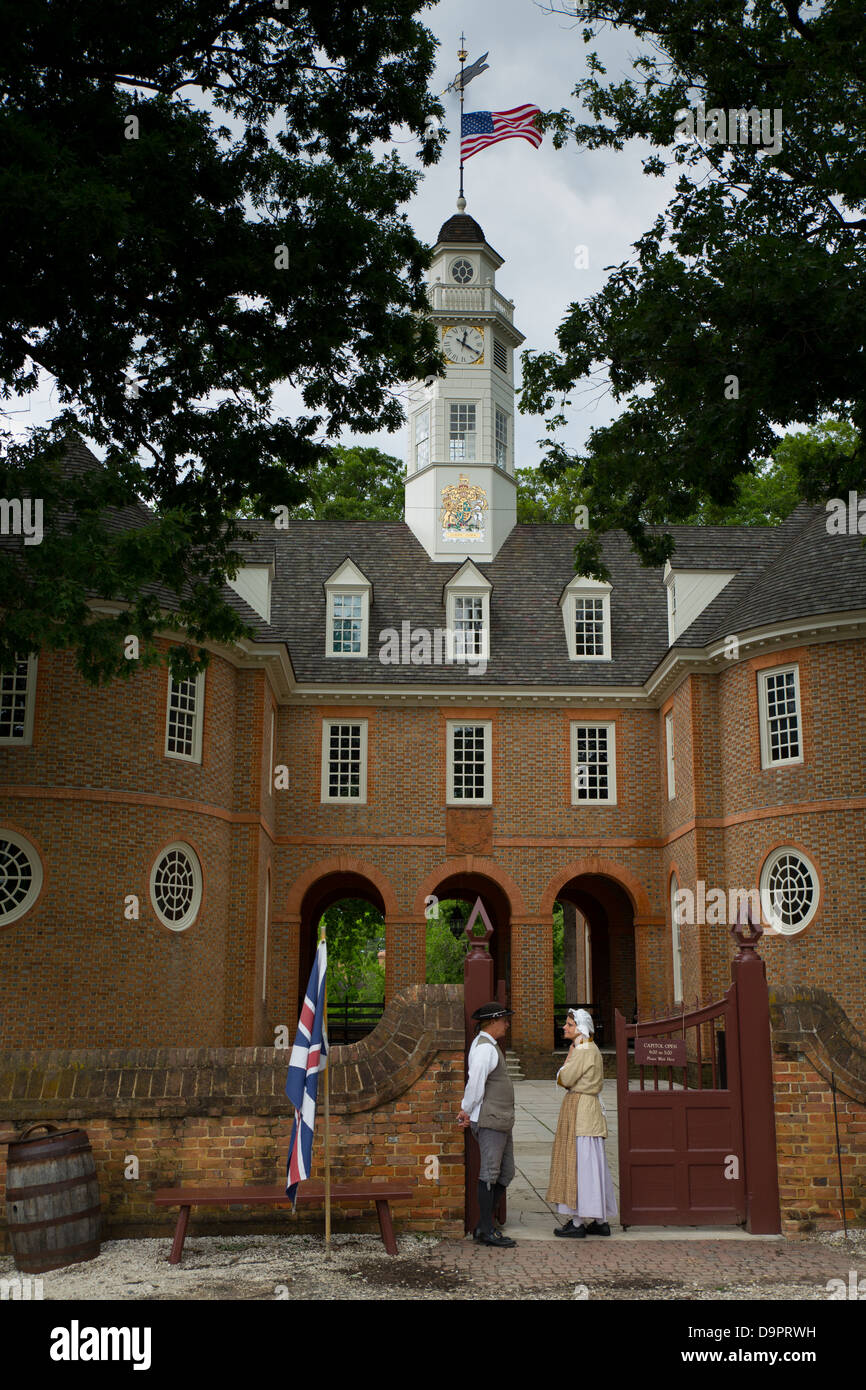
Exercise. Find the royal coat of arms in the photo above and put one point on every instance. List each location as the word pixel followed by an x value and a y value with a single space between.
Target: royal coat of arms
pixel 463 508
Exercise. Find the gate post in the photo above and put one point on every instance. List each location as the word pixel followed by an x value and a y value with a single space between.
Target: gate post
pixel 749 975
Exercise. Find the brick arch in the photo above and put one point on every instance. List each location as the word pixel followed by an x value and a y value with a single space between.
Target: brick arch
pixel 472 864
pixel 342 864
pixel 607 868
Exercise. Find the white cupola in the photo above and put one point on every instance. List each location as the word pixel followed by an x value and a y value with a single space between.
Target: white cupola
pixel 461 495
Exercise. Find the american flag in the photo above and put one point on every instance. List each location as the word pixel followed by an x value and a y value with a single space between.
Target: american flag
pixel 309 1057
pixel 483 128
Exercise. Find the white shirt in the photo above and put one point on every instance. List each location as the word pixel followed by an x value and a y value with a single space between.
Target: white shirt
pixel 482 1061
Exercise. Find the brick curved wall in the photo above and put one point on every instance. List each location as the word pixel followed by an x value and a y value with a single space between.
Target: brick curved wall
pixel 206 1115
pixel 813 1039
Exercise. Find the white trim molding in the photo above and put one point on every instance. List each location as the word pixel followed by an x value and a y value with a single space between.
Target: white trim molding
pixel 594 764
pixel 782 727
pixel 470 727
pixel 587 591
pixel 188 709
pixel 348 583
pixel 12 684
pixel 344 762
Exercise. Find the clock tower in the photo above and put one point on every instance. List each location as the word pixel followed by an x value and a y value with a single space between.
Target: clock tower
pixel 460 487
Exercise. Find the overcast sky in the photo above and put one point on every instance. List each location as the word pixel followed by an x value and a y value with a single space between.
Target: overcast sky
pixel 535 206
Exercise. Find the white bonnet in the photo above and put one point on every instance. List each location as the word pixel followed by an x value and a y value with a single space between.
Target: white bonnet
pixel 583 1022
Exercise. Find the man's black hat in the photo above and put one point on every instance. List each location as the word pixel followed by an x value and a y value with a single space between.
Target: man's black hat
pixel 494 1009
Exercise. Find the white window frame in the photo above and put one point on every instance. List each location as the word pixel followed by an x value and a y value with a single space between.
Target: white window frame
pixel 500 414
pixel 676 942
pixel 487 798
pixel 420 415
pixel 193 910
pixel 265 942
pixel 197 724
pixel 451 625
pixel 669 749
pixel 764 715
pixel 584 588
pixel 610 726
pixel 9 740
pixel 36 876
pixel 361 798
pixel 341 593
pixel 767 867
pixel 468 434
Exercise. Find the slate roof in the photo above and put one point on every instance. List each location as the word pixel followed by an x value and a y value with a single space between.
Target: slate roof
pixel 783 573
pixel 461 227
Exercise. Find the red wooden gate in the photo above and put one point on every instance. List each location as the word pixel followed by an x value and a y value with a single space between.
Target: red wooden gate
pixel 697 1145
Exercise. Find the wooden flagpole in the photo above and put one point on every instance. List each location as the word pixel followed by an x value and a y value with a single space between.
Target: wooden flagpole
pixel 322 937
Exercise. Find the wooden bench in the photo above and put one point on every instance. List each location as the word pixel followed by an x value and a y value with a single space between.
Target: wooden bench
pixel 344 1193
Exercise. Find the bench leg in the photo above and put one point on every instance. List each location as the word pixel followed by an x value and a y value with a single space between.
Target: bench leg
pixel 385 1226
pixel 179 1236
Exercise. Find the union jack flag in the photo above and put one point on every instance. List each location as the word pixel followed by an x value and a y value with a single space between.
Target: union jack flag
pixel 309 1057
pixel 482 128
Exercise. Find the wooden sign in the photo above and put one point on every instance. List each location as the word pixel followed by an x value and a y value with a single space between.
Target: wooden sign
pixel 660 1052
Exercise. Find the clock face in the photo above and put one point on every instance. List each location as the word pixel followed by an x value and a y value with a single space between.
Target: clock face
pixel 463 344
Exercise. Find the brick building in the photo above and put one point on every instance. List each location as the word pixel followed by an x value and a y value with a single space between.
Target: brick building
pixel 441 707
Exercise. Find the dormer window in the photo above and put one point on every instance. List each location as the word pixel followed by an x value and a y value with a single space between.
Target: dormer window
pixel 585 607
pixel 467 611
pixel 689 593
pixel 348 594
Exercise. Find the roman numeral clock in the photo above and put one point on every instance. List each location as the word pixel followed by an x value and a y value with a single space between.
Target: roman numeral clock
pixel 460 487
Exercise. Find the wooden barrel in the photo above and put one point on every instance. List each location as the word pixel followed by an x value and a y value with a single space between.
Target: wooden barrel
pixel 52 1199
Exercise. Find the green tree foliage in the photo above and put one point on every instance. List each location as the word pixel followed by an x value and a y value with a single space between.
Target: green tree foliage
pixel 355 933
pixel 446 943
pixel 743 307
pixel 354 484
pixel 191 213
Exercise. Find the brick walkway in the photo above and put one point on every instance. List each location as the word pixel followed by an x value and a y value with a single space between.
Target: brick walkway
pixel 609 1268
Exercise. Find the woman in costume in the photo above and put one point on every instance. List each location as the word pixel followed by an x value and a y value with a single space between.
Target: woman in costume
pixel 580 1181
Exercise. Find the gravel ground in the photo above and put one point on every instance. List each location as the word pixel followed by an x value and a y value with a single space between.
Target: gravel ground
pixel 297 1268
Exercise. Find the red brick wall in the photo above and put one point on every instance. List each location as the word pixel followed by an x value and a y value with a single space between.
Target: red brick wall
pixel 98 798
pixel 812 1040
pixel 193 1116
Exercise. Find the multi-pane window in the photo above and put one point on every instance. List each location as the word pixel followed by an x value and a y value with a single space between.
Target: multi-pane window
pixel 422 439
pixel 175 886
pixel 183 725
pixel 469 762
pixel 17 685
pixel 501 438
pixel 593 763
pixel 669 743
pixel 589 626
pixel 781 740
pixel 344 761
pixel 789 891
pixel 468 626
pixel 346 624
pixel 676 939
pixel 20 876
pixel 462 433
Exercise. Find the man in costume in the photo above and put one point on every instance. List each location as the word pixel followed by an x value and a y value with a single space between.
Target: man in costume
pixel 488 1109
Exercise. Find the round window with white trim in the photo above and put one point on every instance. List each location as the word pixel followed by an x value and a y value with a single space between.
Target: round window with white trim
pixel 789 891
pixel 20 876
pixel 175 886
pixel 462 271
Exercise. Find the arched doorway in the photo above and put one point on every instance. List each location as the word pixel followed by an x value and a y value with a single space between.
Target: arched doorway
pixel 609 972
pixel 328 891
pixel 468 886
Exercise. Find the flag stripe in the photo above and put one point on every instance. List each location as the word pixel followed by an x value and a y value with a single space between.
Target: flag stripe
pixel 483 128
pixel 308 1058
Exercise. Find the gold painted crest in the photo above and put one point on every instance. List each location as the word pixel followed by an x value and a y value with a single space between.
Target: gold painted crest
pixel 462 511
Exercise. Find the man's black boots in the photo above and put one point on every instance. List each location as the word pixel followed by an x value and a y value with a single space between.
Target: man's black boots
pixel 486 1235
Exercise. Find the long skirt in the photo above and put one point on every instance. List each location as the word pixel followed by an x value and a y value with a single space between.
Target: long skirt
pixel 596 1200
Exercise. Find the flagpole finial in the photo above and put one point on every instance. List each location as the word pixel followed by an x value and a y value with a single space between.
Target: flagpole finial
pixel 461 204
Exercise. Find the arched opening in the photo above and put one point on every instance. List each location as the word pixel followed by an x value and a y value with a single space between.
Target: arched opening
pixel 354 916
pixel 602 930
pixel 446 942
pixel 461 890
